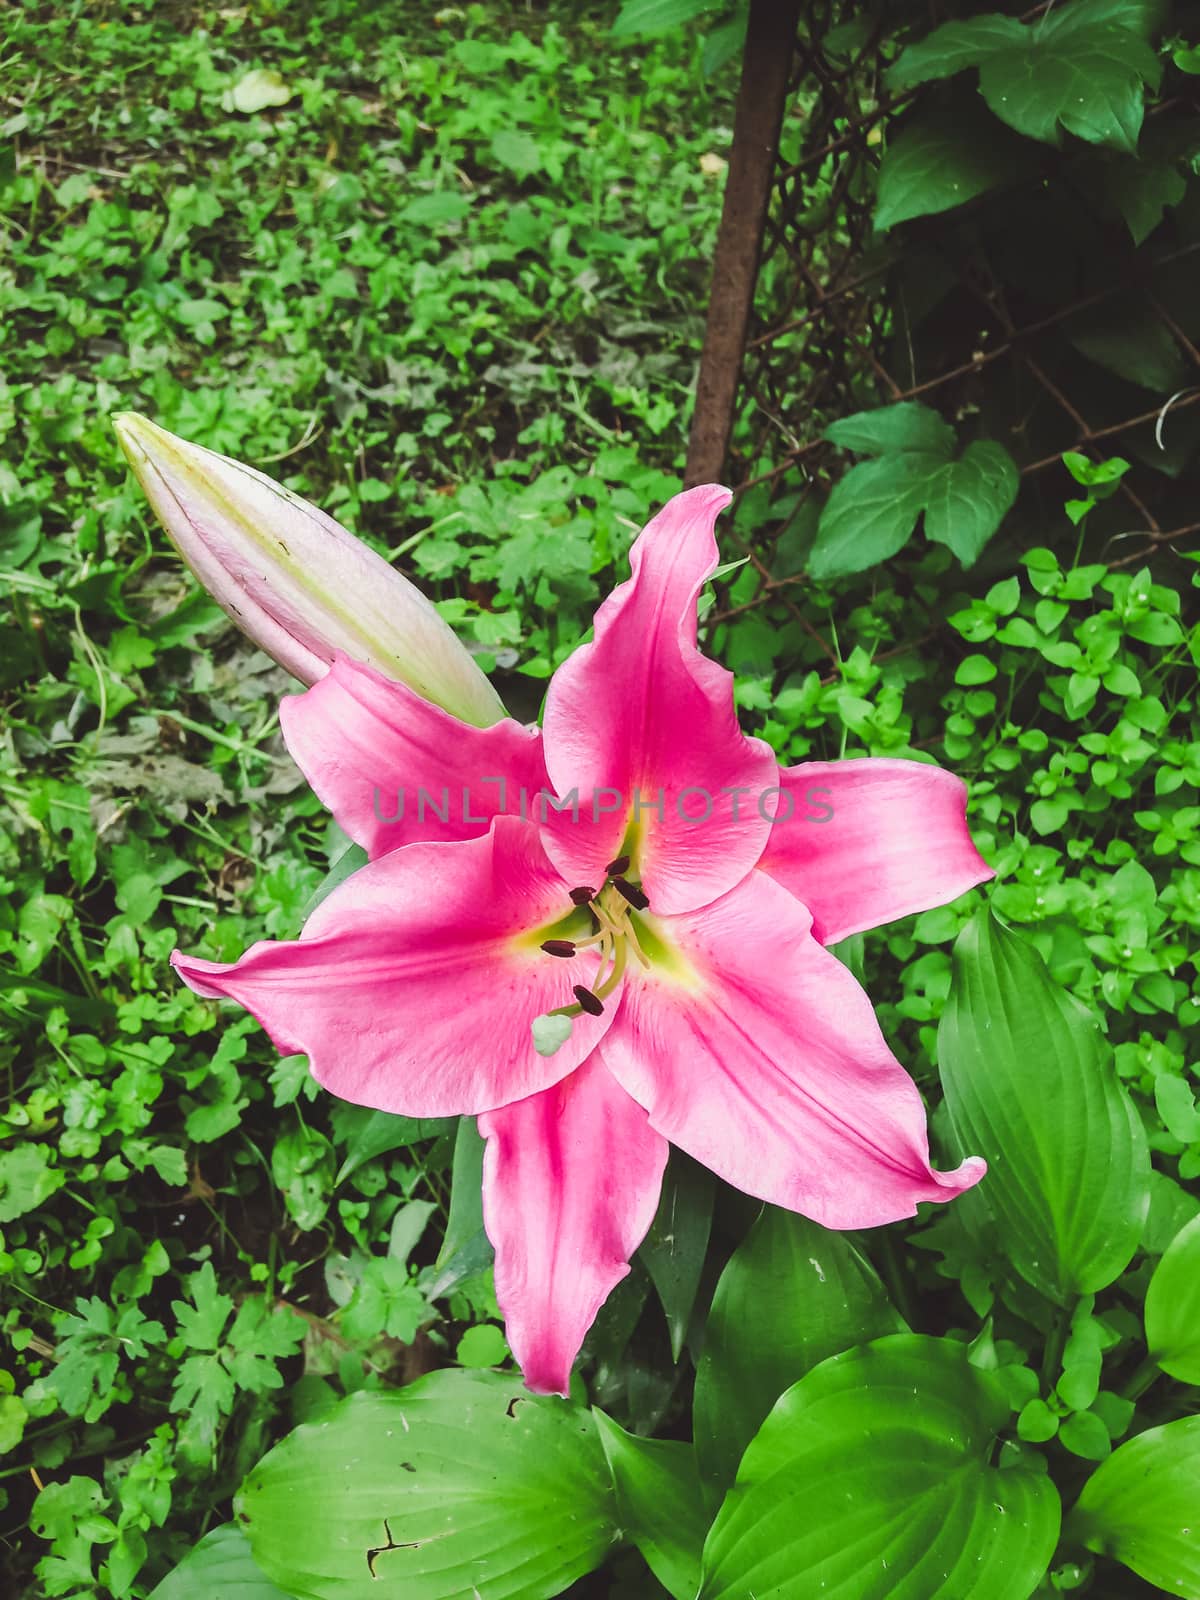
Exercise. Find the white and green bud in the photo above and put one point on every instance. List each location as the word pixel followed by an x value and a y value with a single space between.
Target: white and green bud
pixel 295 581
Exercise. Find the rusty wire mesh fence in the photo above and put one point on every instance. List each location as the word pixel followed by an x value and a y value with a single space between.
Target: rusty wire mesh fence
pixel 1030 313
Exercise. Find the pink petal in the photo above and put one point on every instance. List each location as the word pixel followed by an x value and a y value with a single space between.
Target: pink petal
pixel 758 1054
pixel 571 1180
pixel 640 710
pixel 896 842
pixel 376 751
pixel 414 984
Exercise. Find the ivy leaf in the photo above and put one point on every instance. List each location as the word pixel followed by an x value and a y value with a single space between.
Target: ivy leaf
pixel 1139 1507
pixel 968 499
pixel 1081 68
pixel 942 159
pixel 872 1477
pixel 905 426
pixel 870 515
pixel 1030 1086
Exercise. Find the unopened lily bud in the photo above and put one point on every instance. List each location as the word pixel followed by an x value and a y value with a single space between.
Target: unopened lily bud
pixel 294 580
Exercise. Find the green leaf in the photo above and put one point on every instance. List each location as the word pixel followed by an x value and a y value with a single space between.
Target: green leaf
pixel 905 426
pixel 659 1503
pixel 1140 1507
pixel 1030 1086
pixel 377 1133
pixel 942 159
pixel 462 1482
pixel 673 1250
pixel 870 1480
pixel 466 1190
pixel 517 150
pixel 1129 340
pixel 1173 1307
pixel 806 1294
pixel 968 499
pixel 27 1180
pixel 1089 81
pixel 953 48
pixel 1081 68
pixel 220 1567
pixel 657 16
pixel 870 515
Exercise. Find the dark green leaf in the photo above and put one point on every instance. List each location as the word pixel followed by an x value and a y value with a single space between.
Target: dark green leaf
pixel 376 1133
pixel 967 500
pixel 942 159
pixel 870 515
pixel 673 1250
pixel 461 1483
pixel 871 1480
pixel 1030 1086
pixel 659 1503
pixel 905 426
pixel 792 1294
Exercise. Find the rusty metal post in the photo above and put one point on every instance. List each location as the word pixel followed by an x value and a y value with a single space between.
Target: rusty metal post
pixel 762 95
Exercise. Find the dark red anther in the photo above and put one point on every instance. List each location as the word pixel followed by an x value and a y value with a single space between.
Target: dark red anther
pixel 589 1002
pixel 636 898
pixel 583 895
pixel 558 947
pixel 621 864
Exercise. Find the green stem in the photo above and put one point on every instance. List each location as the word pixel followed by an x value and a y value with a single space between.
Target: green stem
pixel 1053 1353
pixel 1143 1377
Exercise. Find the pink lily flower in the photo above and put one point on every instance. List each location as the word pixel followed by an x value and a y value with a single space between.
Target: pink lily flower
pixel 646 968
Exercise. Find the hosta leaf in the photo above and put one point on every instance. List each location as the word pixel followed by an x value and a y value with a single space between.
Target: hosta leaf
pixel 1030 1085
pixel 870 515
pixel 220 1567
pixel 807 1294
pixel 967 500
pixel 871 1480
pixel 1173 1307
pixel 461 1484
pixel 659 1502
pixel 1142 1507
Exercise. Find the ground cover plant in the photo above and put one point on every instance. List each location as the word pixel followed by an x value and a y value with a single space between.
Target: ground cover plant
pixel 443 272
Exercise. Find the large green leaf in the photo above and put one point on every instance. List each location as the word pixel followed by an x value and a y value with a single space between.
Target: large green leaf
pixel 792 1294
pixel 1173 1307
pixel 941 159
pixel 871 1480
pixel 1030 1085
pixel 966 502
pixel 220 1567
pixel 461 1484
pixel 908 425
pixel 673 1250
pixel 870 515
pixel 1142 1507
pixel 1080 68
pixel 659 1502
